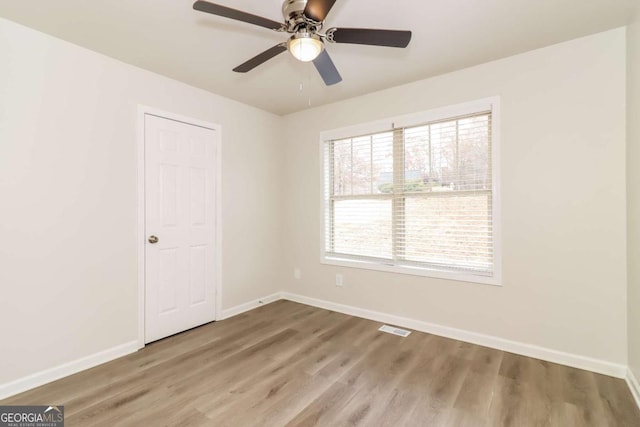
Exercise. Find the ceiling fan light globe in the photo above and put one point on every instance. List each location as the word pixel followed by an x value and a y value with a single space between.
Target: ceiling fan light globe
pixel 305 47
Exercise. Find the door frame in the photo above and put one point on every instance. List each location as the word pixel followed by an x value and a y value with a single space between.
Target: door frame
pixel 141 232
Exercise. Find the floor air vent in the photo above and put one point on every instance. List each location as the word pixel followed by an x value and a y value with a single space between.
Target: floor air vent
pixel 395 331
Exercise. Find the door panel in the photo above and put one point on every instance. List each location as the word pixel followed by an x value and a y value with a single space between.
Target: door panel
pixel 180 211
pixel 198 197
pixel 168 194
pixel 198 275
pixel 168 292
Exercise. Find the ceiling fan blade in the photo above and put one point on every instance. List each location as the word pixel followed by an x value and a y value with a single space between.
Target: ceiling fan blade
pixel 238 15
pixel 318 9
pixel 389 38
pixel 327 69
pixel 261 58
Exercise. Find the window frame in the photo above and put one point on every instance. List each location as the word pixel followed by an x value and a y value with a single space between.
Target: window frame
pixel 416 119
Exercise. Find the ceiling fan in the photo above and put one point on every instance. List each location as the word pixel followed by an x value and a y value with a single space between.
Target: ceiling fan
pixel 304 19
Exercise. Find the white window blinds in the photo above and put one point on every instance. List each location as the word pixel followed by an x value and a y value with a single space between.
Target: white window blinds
pixel 419 196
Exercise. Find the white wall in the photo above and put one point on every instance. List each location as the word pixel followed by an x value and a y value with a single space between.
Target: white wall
pixel 68 197
pixel 563 202
pixel 633 190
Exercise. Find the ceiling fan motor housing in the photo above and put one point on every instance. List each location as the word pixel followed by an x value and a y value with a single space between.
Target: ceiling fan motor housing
pixel 293 9
pixel 295 19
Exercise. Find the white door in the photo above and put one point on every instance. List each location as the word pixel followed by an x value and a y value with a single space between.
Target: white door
pixel 180 230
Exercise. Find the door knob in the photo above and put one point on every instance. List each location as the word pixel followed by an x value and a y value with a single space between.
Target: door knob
pixel 153 239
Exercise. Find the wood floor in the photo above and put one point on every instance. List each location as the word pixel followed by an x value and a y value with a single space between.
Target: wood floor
pixel 288 364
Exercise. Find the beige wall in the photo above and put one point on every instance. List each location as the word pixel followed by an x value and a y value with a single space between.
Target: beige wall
pixel 563 202
pixel 68 262
pixel 633 190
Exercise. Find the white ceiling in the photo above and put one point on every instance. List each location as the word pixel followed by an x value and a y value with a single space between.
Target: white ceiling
pixel 170 38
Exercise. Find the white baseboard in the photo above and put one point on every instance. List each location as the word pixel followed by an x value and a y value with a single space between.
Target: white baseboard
pixel 568 359
pixel 43 377
pixel 247 306
pixel 530 350
pixel 634 386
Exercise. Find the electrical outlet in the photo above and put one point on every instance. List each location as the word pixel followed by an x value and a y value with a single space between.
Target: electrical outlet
pixel 339 280
pixel 297 274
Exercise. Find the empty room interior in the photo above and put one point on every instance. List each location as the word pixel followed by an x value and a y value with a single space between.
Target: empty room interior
pixel 320 213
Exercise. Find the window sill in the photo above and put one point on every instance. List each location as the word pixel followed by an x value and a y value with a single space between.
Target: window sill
pixel 414 271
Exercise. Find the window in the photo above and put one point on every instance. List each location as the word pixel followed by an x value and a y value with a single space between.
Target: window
pixel 418 198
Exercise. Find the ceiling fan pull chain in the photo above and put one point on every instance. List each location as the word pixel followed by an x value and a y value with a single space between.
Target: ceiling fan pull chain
pixel 309 83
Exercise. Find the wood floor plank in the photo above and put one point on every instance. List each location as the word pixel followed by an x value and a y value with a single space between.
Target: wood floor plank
pixel 617 402
pixel 290 364
pixel 324 410
pixel 395 413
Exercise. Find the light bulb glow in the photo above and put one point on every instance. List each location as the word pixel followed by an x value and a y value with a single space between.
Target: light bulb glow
pixel 305 47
